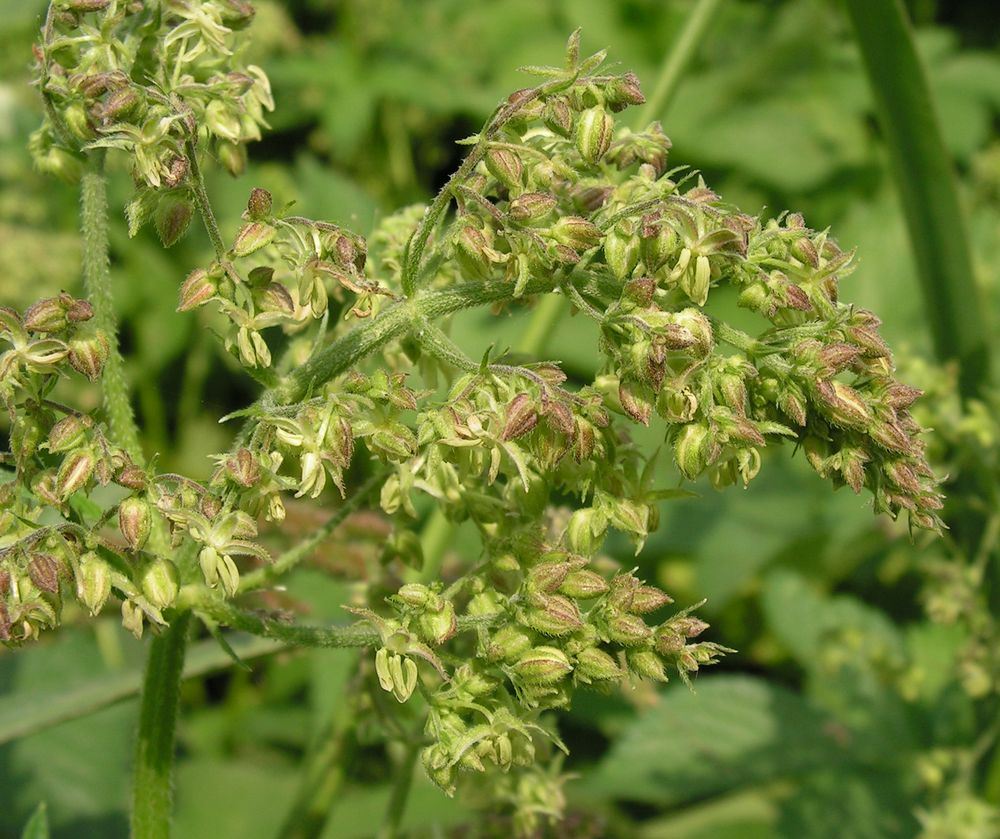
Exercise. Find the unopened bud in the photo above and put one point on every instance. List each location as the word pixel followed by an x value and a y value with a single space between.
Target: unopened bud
pixel 132 618
pixel 69 433
pixel 44 570
pixel 576 233
pixel 694 449
pixel 259 204
pixel 198 288
pixel 531 207
pixel 135 520
pixel 160 582
pixel 627 629
pixel 520 417
pixel 583 584
pixel 553 614
pixel 173 215
pixel 93 581
pixel 621 253
pixel 595 665
pixel 648 599
pixel 252 237
pixel 508 643
pixel 585 531
pixel 74 472
pixel 646 664
pixel 594 130
pixel 624 91
pixel 504 165
pixel 542 666
pixel 88 355
pixel 243 468
pixel 558 116
pixel 546 577
pixel 437 626
pixel 48 315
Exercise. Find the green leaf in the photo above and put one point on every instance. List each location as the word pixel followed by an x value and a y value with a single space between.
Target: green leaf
pixel 733 732
pixel 38 825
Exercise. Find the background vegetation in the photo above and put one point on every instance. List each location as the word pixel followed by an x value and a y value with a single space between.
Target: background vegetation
pixel 863 697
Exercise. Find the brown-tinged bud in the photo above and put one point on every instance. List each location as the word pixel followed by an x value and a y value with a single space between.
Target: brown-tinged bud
pixel 843 403
pixel 868 341
pixel 699 326
pixel 78 311
pixel 131 477
pixel 688 626
pixel 93 581
pixel 560 416
pixel 84 6
pixel 595 665
pixel 504 165
pixel 243 468
pixel 627 629
pixel 48 315
pixel 623 91
pixel 259 204
pixel 669 640
pixel 135 520
pixel 553 614
pixel 583 584
pixel 69 433
pixel 584 441
pixel 639 291
pixel 546 577
pixel 852 467
pixel 508 643
pixel 74 472
pixel 173 216
pixel 198 288
pixel 44 572
pixel 793 404
pixel 438 625
pixel 576 233
pixel 891 436
pixel 634 402
pixel 901 396
pixel 805 251
pixel 648 599
pixel 160 582
pixel 4 582
pixel 252 237
pixel 646 665
pixel 44 486
pixel 88 355
pixel 542 666
pixel 838 356
pixel 558 116
pixel 695 448
pixel 531 207
pixel 520 417
pixel 903 476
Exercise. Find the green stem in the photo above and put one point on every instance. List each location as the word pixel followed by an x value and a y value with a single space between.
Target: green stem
pixel 97 282
pixel 154 756
pixel 325 771
pixel 202 202
pixel 400 792
pixel 676 61
pixel 924 176
pixel 263 577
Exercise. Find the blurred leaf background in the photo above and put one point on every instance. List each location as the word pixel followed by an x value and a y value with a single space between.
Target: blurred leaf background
pixel 842 690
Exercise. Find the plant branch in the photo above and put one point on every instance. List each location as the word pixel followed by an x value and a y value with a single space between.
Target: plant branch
pixel 202 201
pixel 97 282
pixel 154 756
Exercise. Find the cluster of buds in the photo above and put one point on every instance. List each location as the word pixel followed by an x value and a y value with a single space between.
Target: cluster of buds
pixel 282 271
pixel 108 89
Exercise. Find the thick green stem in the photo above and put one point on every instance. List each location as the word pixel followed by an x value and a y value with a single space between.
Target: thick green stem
pixel 675 62
pixel 97 283
pixel 924 177
pixel 152 785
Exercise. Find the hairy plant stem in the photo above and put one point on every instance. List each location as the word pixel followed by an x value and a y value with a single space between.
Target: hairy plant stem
pixel 97 283
pixel 154 755
pixel 201 200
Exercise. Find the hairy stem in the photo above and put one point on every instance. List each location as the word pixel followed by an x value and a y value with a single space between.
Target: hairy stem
pixel 97 283
pixel 152 788
pixel 292 557
pixel 202 202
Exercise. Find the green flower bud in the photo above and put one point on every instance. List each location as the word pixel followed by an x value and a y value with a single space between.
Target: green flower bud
pixel 439 768
pixel 233 157
pixel 546 577
pixel 576 233
pixel 542 666
pixel 646 664
pixel 74 472
pixel 688 626
pixel 437 626
pixel 173 215
pixel 531 207
pixel 627 629
pixel 252 237
pixel 93 581
pixel 132 618
pixel 553 614
pixel 69 433
pixel 88 355
pixel 160 582
pixel 48 315
pixel 508 643
pixel 504 165
pixel 198 288
pixel 558 116
pixel 583 584
pixel 648 599
pixel 585 531
pixel 595 665
pixel 695 448
pixel 594 130
pixel 135 520
pixel 223 121
pixel 621 251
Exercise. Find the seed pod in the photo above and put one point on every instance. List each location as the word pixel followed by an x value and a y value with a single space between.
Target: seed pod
pixel 553 614
pixel 69 433
pixel 504 165
pixel 542 666
pixel 48 315
pixel 135 521
pixel 531 207
pixel 648 599
pixel 252 237
pixel 44 569
pixel 595 665
pixel 576 233
pixel 646 664
pixel 627 629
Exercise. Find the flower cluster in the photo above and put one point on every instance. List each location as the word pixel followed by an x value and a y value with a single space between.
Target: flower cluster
pixel 148 78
